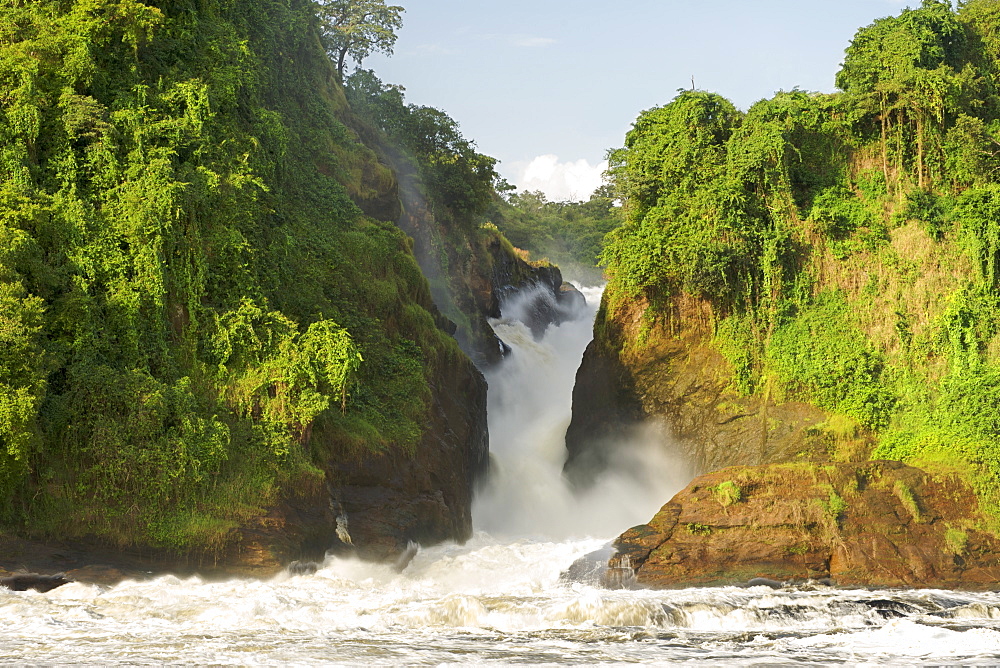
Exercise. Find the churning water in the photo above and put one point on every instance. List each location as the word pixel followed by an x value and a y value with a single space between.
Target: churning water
pixel 500 598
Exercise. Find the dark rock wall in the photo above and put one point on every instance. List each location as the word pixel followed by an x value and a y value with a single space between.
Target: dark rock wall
pixel 427 497
pixel 605 409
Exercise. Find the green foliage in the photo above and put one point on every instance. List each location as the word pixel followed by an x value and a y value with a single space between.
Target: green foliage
pixel 698 529
pixel 834 506
pixel 838 213
pixel 571 234
pixel 978 210
pixel 972 151
pixel 817 354
pixel 727 493
pixel 739 340
pixel 905 74
pixel 956 541
pixel 186 288
pixel 909 500
pixel 678 231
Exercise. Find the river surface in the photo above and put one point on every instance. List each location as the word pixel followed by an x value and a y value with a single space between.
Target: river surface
pixel 501 597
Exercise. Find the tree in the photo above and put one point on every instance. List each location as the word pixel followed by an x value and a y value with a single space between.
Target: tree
pixel 905 71
pixel 358 28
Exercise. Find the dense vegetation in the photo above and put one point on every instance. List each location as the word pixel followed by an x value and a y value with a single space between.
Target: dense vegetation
pixel 188 294
pixel 465 190
pixel 570 234
pixel 847 245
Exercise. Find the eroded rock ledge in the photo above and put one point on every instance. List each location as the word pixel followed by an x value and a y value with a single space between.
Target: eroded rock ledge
pixel 876 524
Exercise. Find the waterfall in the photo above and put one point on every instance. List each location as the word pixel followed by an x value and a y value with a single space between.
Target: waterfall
pixel 530 403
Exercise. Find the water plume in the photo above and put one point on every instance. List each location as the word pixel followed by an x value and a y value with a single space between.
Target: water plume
pixel 530 404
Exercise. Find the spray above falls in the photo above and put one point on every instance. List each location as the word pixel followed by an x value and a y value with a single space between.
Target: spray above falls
pixel 530 404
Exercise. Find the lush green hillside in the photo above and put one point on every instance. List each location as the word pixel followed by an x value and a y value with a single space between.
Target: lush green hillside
pixel 571 234
pixel 193 306
pixel 452 205
pixel 840 250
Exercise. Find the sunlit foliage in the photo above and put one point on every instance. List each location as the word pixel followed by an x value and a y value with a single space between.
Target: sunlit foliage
pixel 847 245
pixel 188 295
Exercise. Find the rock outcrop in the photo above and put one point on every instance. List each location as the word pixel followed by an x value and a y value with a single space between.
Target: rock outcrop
pixel 388 501
pixel 375 504
pixel 680 378
pixel 26 581
pixel 878 524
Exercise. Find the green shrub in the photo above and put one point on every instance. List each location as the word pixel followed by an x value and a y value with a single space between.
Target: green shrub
pixel 956 541
pixel 834 506
pixel 727 493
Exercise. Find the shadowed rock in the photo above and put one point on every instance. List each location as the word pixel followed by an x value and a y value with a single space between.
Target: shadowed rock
pixel 303 567
pixel 406 557
pixel 41 583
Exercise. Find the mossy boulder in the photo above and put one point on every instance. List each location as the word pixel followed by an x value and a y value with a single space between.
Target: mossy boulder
pixel 877 524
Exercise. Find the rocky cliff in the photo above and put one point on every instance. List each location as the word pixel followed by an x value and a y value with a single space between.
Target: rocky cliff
pixel 678 376
pixel 217 348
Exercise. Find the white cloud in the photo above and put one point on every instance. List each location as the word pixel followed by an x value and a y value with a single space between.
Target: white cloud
pixel 560 181
pixel 533 42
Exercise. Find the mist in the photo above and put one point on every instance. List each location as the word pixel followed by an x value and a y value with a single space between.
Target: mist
pixel 530 406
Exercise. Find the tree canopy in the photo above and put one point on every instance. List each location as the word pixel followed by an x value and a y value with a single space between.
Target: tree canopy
pixel 358 28
pixel 846 246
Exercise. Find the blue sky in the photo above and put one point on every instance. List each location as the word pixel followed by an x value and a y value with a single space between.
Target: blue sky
pixel 547 86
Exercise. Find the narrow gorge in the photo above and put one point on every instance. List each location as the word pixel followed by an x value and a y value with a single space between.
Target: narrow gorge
pixel 277 387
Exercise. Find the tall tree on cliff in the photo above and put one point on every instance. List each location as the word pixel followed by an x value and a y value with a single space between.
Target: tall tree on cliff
pixel 358 28
pixel 906 71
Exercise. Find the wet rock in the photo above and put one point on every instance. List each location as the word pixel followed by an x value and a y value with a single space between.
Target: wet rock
pixel 877 524
pixel 591 568
pixel 101 574
pixel 41 583
pixel 765 582
pixel 303 567
pixel 406 557
pixel 605 411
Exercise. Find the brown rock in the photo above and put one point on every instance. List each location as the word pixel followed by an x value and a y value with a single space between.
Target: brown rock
pixel 877 524
pixel 678 376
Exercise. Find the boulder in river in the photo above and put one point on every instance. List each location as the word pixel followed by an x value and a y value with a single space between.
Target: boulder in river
pixel 875 524
pixel 36 581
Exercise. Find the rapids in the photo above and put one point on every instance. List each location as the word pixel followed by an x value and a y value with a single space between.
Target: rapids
pixel 501 597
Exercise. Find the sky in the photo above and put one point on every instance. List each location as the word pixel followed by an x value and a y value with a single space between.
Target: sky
pixel 548 86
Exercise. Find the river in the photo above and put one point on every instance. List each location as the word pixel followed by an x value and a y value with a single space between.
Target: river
pixel 501 597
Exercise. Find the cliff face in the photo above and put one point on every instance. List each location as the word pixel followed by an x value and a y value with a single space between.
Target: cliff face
pixel 218 348
pixel 883 524
pixel 678 376
pixel 813 280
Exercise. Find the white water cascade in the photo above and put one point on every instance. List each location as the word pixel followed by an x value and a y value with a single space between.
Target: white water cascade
pixel 500 598
pixel 530 404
